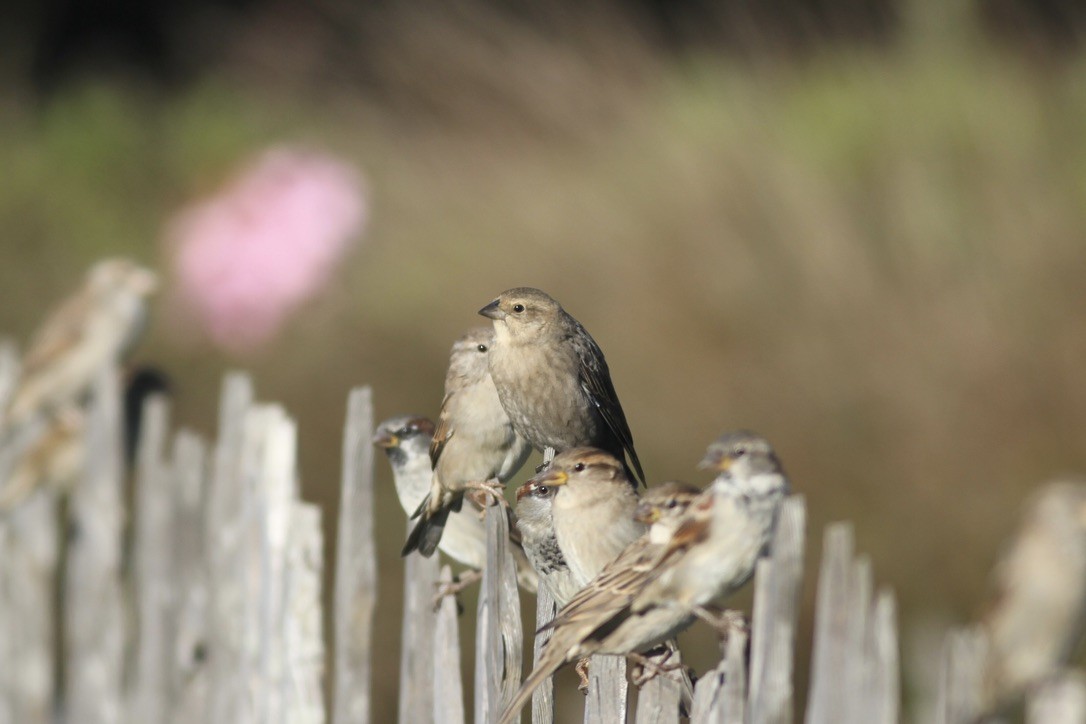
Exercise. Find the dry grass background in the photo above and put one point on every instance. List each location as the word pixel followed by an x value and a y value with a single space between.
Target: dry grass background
pixel 875 256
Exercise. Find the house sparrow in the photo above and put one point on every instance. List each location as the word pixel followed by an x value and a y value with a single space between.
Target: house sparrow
pixel 714 550
pixel 100 324
pixel 592 509
pixel 553 380
pixel 535 522
pixel 406 442
pixel 474 441
pixel 55 459
pixel 1035 618
pixel 598 619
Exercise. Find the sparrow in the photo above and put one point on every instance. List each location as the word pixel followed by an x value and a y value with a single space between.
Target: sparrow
pixel 406 442
pixel 56 458
pixel 535 523
pixel 96 326
pixel 474 441
pixel 592 509
pixel 598 619
pixel 1035 618
pixel 553 380
pixel 727 529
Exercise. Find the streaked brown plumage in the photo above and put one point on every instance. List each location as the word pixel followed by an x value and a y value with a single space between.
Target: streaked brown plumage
pixel 598 619
pixel 1035 620
pixel 592 510
pixel 406 442
pixel 553 380
pixel 474 441
pixel 97 325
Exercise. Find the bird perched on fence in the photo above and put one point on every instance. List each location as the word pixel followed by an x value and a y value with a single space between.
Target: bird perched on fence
pixel 592 509
pixel 406 442
pixel 1035 619
pixel 727 530
pixel 56 458
pixel 96 326
pixel 474 441
pixel 535 522
pixel 553 380
pixel 598 619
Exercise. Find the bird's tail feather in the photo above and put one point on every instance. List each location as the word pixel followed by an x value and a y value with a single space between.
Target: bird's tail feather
pixel 426 534
pixel 545 668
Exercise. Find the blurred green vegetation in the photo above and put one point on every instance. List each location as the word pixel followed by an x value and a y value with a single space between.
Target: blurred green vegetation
pixel 875 256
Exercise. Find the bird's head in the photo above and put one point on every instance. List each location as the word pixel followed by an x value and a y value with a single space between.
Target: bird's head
pixel 522 313
pixel 468 360
pixel 665 501
pixel 404 437
pixel 742 457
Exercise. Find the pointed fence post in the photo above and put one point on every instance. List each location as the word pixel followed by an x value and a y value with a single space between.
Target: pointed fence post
pixel 356 567
pixel 543 696
pixel 94 629
pixel 499 637
pixel 776 616
pixel 417 637
pixel 227 697
pixel 189 670
pixel 154 576
pixel 448 695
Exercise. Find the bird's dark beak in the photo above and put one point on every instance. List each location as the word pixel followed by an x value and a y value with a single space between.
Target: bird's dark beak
pixel 493 311
pixel 716 460
pixel 647 514
pixel 386 440
pixel 524 490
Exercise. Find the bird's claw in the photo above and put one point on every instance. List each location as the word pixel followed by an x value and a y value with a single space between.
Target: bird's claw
pixel 724 622
pixel 481 494
pixel 454 587
pixel 582 672
pixel 648 667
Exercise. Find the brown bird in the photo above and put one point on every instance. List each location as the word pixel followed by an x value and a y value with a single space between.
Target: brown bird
pixel 535 522
pixel 593 509
pixel 474 441
pixel 98 325
pixel 598 619
pixel 553 380
pixel 406 442
pixel 713 553
pixel 1035 619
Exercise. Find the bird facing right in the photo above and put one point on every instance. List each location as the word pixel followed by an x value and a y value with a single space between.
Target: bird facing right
pixel 98 325
pixel 553 380
pixel 474 441
pixel 598 618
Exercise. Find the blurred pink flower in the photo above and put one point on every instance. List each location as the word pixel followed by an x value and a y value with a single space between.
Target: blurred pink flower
pixel 248 257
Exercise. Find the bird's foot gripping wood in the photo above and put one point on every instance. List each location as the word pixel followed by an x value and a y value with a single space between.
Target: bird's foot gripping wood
pixel 652 664
pixel 481 494
pixel 723 621
pixel 455 586
pixel 581 667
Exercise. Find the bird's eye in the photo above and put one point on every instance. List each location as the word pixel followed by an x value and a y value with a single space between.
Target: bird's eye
pixel 578 467
pixel 518 308
pixel 482 348
pixel 671 503
pixel 740 452
pixel 542 490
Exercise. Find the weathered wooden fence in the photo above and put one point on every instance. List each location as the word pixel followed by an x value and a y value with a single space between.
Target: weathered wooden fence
pixel 216 616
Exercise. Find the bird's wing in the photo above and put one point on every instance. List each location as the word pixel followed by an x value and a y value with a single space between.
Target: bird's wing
pixel 443 432
pixel 612 590
pixel 62 331
pixel 596 383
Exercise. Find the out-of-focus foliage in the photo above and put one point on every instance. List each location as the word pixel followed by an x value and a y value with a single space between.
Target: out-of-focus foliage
pixel 874 256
